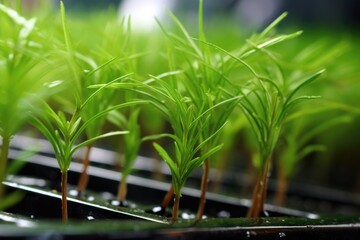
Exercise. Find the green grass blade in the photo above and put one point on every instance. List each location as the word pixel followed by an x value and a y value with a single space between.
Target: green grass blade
pixel 272 25
pixel 174 169
pixel 306 82
pixel 65 28
pixel 91 140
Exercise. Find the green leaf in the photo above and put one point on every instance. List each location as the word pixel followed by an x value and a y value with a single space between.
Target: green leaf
pixel 273 25
pixel 161 135
pixel 118 119
pixel 299 99
pixel 102 89
pixel 309 149
pixel 91 140
pixel 101 114
pixel 232 56
pixel 65 27
pixel 304 83
pixel 210 152
pixel 172 165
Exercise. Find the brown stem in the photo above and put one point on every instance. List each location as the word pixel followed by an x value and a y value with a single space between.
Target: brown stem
pixel 3 162
pixel 175 211
pixel 220 172
pixel 64 197
pixel 122 190
pixel 169 195
pixel 281 188
pixel 84 177
pixel 254 201
pixel 259 194
pixel 204 185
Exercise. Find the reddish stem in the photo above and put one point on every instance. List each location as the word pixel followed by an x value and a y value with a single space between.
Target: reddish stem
pixel 168 197
pixel 84 177
pixel 175 211
pixel 122 190
pixel 204 186
pixel 64 197
pixel 259 194
pixel 281 188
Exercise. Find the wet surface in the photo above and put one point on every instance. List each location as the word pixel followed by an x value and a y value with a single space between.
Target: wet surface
pixel 98 212
pixel 40 211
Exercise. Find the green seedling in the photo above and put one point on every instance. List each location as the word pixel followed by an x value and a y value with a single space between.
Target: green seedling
pixel 266 109
pixel 205 77
pixel 267 100
pixel 24 77
pixel 189 125
pixel 64 134
pixel 270 99
pixel 85 71
pixel 296 147
pixel 131 146
pixel 299 138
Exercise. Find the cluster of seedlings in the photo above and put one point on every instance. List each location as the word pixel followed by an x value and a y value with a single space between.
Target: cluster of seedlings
pixel 68 87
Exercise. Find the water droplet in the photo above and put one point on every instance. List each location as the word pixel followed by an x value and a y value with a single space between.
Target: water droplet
pixel 265 213
pixel 282 235
pixel 91 198
pixel 107 195
pixel 185 215
pixel 74 192
pixel 249 234
pixel 115 202
pixel 32 216
pixel 156 209
pixel 223 214
pixel 119 203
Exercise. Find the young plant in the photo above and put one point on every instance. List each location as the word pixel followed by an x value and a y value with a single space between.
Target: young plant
pixel 296 146
pixel 188 124
pixel 64 134
pixel 203 84
pixel 267 101
pixel 24 72
pixel 131 146
pixel 266 109
pixel 85 71
pixel 300 137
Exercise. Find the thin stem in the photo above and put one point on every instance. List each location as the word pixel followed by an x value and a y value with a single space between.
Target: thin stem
pixel 3 162
pixel 84 177
pixel 122 190
pixel 254 201
pixel 204 186
pixel 281 187
pixel 175 211
pixel 64 196
pixel 265 180
pixel 169 195
pixel 259 194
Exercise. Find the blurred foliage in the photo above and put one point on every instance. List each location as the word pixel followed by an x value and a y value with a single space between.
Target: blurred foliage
pixel 102 35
